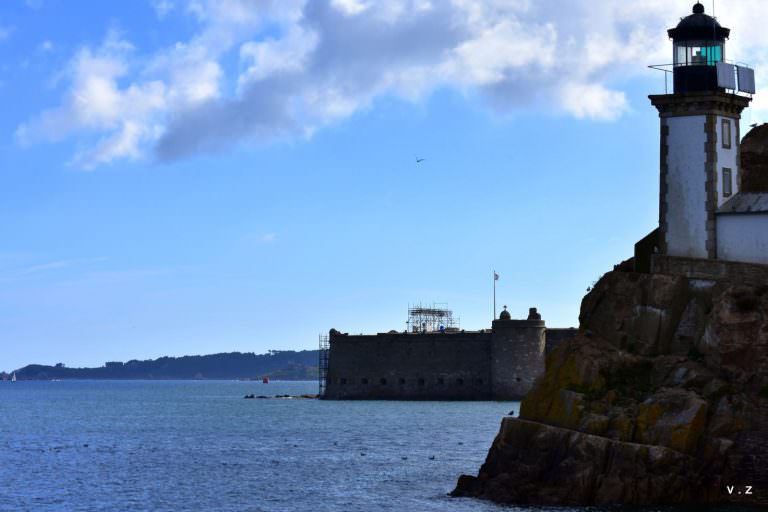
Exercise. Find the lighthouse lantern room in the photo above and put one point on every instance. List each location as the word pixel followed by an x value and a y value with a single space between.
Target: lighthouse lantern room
pixel 699 46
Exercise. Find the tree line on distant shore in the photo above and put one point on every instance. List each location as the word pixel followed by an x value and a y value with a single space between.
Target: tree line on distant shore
pixel 277 364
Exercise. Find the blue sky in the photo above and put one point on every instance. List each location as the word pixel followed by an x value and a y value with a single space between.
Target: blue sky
pixel 189 176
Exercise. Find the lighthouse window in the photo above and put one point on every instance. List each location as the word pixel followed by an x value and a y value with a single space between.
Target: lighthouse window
pixel 726 133
pixel 698 53
pixel 727 183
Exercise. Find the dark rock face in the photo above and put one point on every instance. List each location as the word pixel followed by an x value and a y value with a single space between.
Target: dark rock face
pixel 595 469
pixel 754 160
pixel 662 399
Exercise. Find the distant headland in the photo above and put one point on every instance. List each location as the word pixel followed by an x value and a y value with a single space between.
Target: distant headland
pixel 276 364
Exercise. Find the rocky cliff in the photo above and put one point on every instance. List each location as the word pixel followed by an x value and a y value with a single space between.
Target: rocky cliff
pixel 662 398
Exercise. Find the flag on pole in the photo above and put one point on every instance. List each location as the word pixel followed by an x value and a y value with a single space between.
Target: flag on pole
pixel 495 276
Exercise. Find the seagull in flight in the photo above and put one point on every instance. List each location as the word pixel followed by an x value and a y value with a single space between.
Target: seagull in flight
pixel 753 125
pixel 419 160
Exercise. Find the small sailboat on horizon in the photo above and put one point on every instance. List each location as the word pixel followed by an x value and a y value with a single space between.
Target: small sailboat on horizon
pixel 13 377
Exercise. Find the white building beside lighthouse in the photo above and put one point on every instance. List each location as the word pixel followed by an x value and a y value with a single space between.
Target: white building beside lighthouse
pixel 703 213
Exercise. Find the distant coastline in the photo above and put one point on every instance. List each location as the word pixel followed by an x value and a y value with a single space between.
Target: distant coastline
pixel 276 365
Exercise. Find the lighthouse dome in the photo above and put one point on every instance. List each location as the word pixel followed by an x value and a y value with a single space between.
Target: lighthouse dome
pixel 699 26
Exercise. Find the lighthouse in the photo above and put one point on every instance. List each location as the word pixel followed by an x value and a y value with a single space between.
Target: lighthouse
pixel 700 160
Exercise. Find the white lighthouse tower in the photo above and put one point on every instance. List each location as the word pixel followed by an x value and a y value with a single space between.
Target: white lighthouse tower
pixel 700 141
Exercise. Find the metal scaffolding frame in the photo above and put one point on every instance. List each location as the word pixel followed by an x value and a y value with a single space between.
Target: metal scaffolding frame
pixel 431 319
pixel 322 364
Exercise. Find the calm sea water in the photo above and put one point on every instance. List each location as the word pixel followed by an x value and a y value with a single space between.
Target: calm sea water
pixel 85 445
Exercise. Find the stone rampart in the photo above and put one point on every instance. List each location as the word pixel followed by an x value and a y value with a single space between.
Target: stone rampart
pixel 714 270
pixel 400 366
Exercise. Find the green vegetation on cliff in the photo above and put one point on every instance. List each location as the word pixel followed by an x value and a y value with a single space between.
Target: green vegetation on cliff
pixel 278 365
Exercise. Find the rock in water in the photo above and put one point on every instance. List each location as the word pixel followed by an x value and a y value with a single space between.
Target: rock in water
pixel 665 403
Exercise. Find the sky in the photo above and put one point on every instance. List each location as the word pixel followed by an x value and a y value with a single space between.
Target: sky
pixel 198 176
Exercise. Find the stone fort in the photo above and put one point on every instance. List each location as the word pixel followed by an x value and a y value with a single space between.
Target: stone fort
pixel 444 363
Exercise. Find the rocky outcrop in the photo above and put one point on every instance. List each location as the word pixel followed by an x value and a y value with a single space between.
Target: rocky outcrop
pixel 754 164
pixel 662 398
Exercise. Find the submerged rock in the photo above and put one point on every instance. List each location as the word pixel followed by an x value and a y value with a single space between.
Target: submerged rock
pixel 662 399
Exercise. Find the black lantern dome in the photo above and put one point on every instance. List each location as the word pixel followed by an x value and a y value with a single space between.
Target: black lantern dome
pixel 699 44
pixel 698 26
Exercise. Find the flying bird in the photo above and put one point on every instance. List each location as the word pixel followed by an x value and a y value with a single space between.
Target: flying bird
pixel 419 160
pixel 753 125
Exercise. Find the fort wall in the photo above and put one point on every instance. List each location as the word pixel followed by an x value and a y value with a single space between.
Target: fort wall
pixel 557 336
pixel 497 364
pixel 400 366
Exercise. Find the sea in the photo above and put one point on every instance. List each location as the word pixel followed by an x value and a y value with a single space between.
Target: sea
pixel 200 446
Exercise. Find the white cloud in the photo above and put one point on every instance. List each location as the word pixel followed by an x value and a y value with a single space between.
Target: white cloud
pixel 5 33
pixel 45 46
pixel 124 143
pixel 96 103
pixel 504 47
pixel 324 60
pixel 162 7
pixel 350 7
pixel 593 101
pixel 59 264
pixel 275 56
pixel 191 73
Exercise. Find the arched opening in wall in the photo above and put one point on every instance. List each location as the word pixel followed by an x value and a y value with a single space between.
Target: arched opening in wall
pixel 518 379
pixel 363 381
pixel 421 382
pixel 460 382
pixel 383 381
pixel 479 382
pixel 401 381
pixel 343 381
pixel 441 381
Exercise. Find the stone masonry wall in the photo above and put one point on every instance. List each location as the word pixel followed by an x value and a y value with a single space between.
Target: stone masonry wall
pixel 716 270
pixel 398 366
pixel 476 365
pixel 557 336
pixel 517 352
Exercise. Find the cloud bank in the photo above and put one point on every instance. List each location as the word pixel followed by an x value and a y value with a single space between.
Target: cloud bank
pixel 304 64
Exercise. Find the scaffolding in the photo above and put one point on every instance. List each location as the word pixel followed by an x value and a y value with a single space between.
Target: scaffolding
pixel 423 319
pixel 322 364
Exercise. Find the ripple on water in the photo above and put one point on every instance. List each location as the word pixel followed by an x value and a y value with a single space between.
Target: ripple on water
pixel 78 445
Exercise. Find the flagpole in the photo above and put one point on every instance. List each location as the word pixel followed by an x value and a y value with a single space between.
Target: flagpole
pixel 494 295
